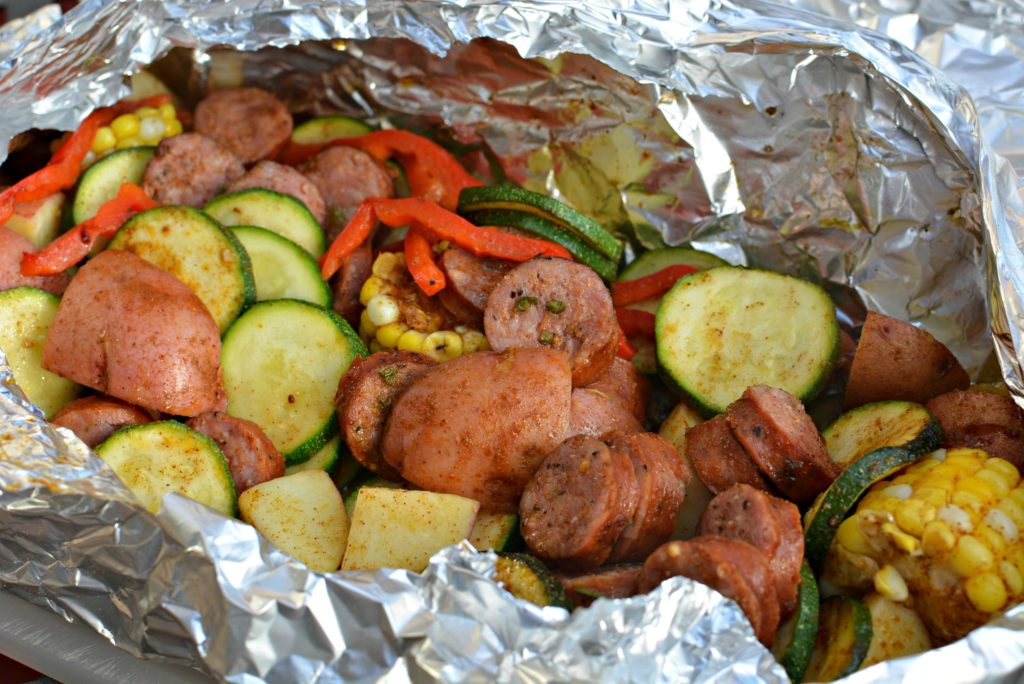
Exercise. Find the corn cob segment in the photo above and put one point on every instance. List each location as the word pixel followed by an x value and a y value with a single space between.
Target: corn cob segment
pixel 944 535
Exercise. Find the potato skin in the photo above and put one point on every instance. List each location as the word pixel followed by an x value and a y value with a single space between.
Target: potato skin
pixel 895 360
pixel 137 333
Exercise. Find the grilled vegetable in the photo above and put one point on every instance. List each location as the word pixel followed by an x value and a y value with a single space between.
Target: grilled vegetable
pixel 945 532
pixel 529 579
pixel 794 642
pixel 39 221
pixel 281 214
pixel 144 126
pixel 100 183
pixel 373 481
pixel 327 128
pixel 885 423
pixel 326 459
pixel 844 637
pixel 897 631
pixel 495 532
pixel 281 269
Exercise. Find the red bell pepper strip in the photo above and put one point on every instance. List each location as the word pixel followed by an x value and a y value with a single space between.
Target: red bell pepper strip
pixel 437 221
pixel 625 350
pixel 74 245
pixel 433 173
pixel 635 323
pixel 65 166
pixel 658 283
pixel 419 259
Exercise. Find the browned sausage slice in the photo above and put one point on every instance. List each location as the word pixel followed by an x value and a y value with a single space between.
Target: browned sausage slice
pixel 578 503
pixel 981 420
pixel 12 246
pixel 656 445
pixel 734 568
pixel 252 457
pixel 470 280
pixel 345 177
pixel 661 494
pixel 718 459
pixel 895 360
pixel 365 396
pixel 356 268
pixel 595 413
pixel 94 419
pixel 613 581
pixel 480 425
pixel 134 331
pixel 250 122
pixel 766 522
pixel 624 381
pixel 286 180
pixel 190 169
pixel 559 304
pixel 781 438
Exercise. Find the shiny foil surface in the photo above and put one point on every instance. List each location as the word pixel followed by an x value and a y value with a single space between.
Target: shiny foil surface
pixel 770 135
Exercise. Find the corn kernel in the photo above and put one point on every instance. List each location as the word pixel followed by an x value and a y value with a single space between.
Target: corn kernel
pixel 956 517
pixel 999 520
pixel 933 481
pixel 970 557
pixel 104 140
pixel 383 310
pixel 442 345
pixel 388 335
pixel 1017 495
pixel 991 538
pixel 1012 577
pixel 167 112
pixel 366 327
pixel 937 538
pixel 997 480
pixel 372 287
pixel 986 592
pixel 386 263
pixel 1001 465
pixel 897 491
pixel 411 340
pixel 969 501
pixel 963 461
pixel 935 496
pixel 922 467
pixel 125 126
pixel 851 536
pixel 151 130
pixel 976 485
pixel 946 471
pixel 375 347
pixel 174 128
pixel 473 341
pixel 912 515
pixel 901 539
pixel 890 584
pixel 133 141
pixel 147 112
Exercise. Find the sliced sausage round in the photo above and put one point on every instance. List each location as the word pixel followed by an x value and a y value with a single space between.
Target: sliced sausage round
pixel 252 458
pixel 479 425
pixel 286 180
pixel 578 502
pixel 365 396
pixel 624 381
pixel 734 568
pixel 718 459
pixel 470 280
pixel 190 169
pixel 661 494
pixel 95 418
pixel 355 269
pixel 345 177
pixel 595 413
pixel 781 438
pixel 135 332
pixel 250 122
pixel 12 247
pixel 766 522
pixel 558 304
pixel 612 581
pixel 981 420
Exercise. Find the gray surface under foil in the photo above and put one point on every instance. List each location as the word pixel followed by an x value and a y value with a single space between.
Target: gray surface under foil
pixel 791 142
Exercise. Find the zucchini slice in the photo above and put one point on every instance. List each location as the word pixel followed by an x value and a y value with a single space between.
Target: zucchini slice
pixel 655 260
pixel 274 211
pixel 901 424
pixel 282 361
pixel 101 181
pixel 722 330
pixel 525 577
pixel 193 248
pixel 25 317
pixel 835 503
pixel 281 269
pixel 794 643
pixel 495 532
pixel 346 470
pixel 327 128
pixel 326 459
pixel 548 230
pixel 844 637
pixel 514 198
pixel 156 458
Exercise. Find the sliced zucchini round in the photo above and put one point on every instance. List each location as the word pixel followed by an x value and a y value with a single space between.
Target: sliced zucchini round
pixel 722 330
pixel 25 317
pixel 901 424
pixel 101 181
pixel 526 577
pixel 327 128
pixel 844 637
pixel 156 458
pixel 652 261
pixel 326 459
pixel 282 361
pixel 196 250
pixel 495 532
pixel 835 503
pixel 794 643
pixel 274 211
pixel 282 269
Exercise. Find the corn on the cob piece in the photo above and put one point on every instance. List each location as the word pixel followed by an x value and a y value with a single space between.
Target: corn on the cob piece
pixel 944 533
pixel 144 126
pixel 399 316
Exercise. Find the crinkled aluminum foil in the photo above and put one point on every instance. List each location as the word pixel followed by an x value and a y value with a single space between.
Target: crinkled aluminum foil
pixel 787 140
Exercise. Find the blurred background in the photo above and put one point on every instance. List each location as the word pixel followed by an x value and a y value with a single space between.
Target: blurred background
pixel 12 9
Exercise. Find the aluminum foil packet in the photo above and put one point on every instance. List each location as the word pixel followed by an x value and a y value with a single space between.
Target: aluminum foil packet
pixel 771 136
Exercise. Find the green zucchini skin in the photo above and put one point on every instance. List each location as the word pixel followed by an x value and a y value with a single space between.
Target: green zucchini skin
pixel 844 638
pixel 724 329
pixel 496 532
pixel 278 213
pixel 281 269
pixel 902 424
pixel 652 261
pixel 325 459
pixel 526 577
pixel 101 181
pixel 327 128
pixel 795 654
